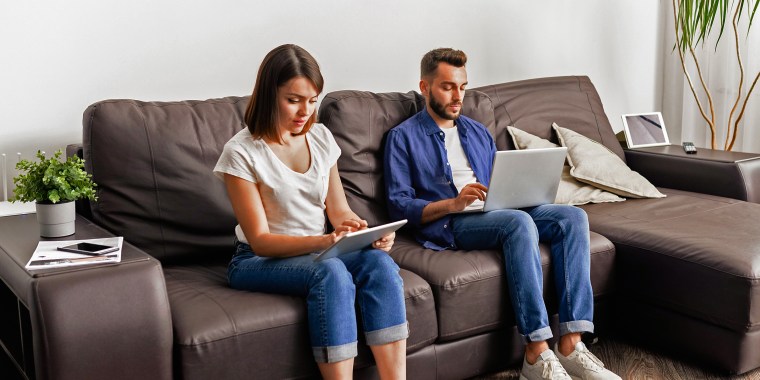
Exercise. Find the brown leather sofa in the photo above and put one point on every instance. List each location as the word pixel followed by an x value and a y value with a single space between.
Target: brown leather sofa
pixel 679 274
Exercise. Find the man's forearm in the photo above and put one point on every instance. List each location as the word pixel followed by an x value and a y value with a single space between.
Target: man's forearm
pixel 436 210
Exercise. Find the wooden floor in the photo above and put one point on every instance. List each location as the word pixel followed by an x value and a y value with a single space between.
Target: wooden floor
pixel 633 363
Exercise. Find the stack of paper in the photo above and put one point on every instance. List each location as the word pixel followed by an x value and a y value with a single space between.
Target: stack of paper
pixel 48 256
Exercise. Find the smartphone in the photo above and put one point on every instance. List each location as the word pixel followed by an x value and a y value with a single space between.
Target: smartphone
pixel 88 249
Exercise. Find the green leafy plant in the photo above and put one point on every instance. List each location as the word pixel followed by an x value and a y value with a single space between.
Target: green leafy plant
pixel 51 180
pixel 694 21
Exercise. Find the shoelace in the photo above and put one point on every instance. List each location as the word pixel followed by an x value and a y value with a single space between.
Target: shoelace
pixel 550 366
pixel 588 359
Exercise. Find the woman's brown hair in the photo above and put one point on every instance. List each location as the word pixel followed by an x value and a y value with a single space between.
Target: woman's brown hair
pixel 282 64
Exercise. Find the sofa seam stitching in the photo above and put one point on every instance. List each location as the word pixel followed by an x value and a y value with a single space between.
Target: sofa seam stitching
pixel 155 181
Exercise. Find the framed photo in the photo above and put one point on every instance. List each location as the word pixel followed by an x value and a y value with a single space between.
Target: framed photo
pixel 645 129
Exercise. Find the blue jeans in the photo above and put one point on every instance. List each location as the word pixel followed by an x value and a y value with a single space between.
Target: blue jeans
pixel 517 233
pixel 330 287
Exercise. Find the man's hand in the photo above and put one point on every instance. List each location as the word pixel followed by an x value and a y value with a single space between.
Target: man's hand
pixel 470 193
pixel 385 243
pixel 437 210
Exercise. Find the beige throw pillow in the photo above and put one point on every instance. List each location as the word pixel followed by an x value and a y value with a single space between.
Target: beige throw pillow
pixel 593 163
pixel 570 191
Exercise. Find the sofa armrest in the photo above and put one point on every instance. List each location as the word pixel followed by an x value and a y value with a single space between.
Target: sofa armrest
pixel 716 172
pixel 105 321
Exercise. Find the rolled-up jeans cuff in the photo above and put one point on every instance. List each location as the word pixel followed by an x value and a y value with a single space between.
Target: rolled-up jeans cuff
pixel 539 335
pixel 576 326
pixel 333 354
pixel 387 335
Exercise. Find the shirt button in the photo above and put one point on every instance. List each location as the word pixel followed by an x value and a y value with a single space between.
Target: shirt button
pixel 445 226
pixel 441 133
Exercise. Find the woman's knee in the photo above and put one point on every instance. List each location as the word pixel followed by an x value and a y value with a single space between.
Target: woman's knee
pixel 379 258
pixel 332 274
pixel 379 265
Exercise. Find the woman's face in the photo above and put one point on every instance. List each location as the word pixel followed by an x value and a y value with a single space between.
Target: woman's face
pixel 297 101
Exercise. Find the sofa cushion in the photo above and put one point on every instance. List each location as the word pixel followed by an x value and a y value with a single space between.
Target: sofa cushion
pixel 594 164
pixel 465 281
pixel 570 190
pixel 359 121
pixel 691 253
pixel 533 105
pixel 215 325
pixel 152 162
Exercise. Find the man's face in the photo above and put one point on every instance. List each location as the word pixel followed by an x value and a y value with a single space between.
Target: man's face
pixel 444 92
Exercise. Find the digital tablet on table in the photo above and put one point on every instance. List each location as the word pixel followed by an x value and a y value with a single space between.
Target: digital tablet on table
pixel 353 241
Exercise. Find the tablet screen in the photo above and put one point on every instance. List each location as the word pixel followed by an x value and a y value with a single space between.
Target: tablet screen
pixel 358 240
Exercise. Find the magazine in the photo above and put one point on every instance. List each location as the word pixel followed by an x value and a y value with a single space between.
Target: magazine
pixel 48 256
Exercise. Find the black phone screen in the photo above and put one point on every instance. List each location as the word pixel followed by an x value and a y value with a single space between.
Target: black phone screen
pixel 88 248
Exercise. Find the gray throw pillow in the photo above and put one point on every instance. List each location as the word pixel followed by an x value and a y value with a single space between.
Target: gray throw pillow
pixel 592 163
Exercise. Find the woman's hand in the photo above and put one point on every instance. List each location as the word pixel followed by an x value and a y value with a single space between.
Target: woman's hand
pixel 348 225
pixel 385 243
pixel 351 225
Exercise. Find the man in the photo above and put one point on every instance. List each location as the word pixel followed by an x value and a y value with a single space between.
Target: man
pixel 437 163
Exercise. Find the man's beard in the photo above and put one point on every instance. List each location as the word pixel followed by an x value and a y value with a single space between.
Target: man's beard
pixel 440 109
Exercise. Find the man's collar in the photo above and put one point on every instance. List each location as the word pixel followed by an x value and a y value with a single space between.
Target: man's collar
pixel 430 126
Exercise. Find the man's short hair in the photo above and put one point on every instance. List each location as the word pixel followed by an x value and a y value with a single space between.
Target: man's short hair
pixel 430 61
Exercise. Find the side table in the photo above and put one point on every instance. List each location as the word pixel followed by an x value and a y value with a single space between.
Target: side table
pixel 77 322
pixel 728 174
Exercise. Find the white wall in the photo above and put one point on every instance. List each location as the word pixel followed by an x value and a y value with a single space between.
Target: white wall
pixel 60 56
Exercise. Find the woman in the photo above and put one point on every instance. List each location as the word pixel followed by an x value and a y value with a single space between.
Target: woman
pixel 282 178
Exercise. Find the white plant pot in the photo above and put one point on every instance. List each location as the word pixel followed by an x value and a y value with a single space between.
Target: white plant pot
pixel 56 220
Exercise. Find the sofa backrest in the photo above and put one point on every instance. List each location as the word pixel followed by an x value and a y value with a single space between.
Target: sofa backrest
pixel 359 121
pixel 533 105
pixel 153 165
pixel 153 161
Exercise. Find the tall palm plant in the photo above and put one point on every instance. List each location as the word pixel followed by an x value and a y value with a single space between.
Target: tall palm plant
pixel 694 21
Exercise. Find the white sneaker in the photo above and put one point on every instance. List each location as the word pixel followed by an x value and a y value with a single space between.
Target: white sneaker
pixel 581 364
pixel 547 367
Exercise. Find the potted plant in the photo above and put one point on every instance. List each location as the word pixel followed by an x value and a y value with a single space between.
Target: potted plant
pixel 54 185
pixel 694 21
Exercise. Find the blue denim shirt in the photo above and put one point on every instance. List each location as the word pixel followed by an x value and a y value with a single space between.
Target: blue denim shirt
pixel 417 172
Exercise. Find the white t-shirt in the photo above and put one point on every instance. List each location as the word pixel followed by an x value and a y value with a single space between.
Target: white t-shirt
pixel 461 171
pixel 294 202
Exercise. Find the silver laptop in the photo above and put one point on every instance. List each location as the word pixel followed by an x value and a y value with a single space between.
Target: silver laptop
pixel 522 178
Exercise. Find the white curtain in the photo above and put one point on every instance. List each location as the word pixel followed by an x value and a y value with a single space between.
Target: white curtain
pixel 720 71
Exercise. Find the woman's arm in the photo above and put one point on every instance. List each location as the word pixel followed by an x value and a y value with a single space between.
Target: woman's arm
pixel 246 202
pixel 342 217
pixel 338 211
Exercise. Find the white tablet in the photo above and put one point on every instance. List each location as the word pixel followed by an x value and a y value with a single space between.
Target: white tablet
pixel 354 241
